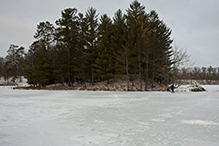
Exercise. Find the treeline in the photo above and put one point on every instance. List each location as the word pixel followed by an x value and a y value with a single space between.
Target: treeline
pixel 197 73
pixel 91 48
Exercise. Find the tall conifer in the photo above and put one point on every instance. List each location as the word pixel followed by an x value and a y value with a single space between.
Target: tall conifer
pixel 67 35
pixel 104 63
pixel 92 22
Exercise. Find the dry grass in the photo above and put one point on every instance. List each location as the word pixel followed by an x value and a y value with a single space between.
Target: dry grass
pixel 64 88
pixel 139 89
pixel 45 88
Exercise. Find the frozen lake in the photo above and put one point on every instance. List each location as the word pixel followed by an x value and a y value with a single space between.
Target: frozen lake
pixel 87 118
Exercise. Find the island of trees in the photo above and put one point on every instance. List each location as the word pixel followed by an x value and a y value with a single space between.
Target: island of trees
pixel 89 48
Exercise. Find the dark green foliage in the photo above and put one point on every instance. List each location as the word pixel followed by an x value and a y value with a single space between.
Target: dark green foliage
pixel 81 61
pixel 160 43
pixel 67 37
pixel 38 65
pixel 91 39
pixel 85 48
pixel 104 62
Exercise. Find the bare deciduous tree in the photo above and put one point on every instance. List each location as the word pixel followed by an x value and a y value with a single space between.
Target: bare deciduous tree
pixel 181 59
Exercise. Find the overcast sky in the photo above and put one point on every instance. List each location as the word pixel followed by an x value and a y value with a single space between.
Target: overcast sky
pixel 194 23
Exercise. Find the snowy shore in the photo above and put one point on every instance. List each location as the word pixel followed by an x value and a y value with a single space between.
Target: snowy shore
pixel 100 118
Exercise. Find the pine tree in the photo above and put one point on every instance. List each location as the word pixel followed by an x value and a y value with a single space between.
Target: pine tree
pixel 129 52
pixel 143 49
pixel 38 65
pixel 121 51
pixel 82 72
pixel 104 63
pixel 30 66
pixel 133 14
pixel 67 35
pixel 45 33
pixel 160 44
pixel 60 64
pixel 119 31
pixel 119 36
pixel 43 69
pixel 92 23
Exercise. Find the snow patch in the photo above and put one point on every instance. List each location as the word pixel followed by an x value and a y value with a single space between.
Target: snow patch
pixel 200 122
pixel 189 88
pixel 22 82
pixel 158 120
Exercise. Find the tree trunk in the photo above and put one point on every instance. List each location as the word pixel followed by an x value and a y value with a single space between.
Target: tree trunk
pixel 84 78
pixel 127 71
pixel 146 76
pixel 69 80
pixel 92 74
pixel 139 68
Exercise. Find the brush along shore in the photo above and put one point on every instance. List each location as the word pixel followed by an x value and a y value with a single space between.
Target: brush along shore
pixel 118 85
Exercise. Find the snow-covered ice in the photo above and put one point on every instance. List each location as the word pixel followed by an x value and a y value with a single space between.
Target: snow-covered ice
pixel 88 118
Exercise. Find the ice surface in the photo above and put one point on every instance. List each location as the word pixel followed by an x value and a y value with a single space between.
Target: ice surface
pixel 88 118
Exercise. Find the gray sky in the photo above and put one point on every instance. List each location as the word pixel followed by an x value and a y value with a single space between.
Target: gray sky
pixel 194 23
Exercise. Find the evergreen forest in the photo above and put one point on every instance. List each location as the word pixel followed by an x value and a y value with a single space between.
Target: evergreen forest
pixel 89 48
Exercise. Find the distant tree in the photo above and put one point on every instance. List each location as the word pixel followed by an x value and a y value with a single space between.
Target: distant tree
pixel 1 66
pixel 180 59
pixel 196 72
pixel 13 62
pixel 184 73
pixel 204 73
pixel 217 76
pixel 210 72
